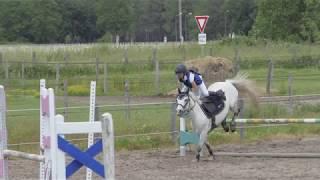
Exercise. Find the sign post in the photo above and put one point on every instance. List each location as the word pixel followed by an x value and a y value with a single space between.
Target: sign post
pixel 202 22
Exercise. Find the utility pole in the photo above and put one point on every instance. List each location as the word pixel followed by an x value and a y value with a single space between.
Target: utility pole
pixel 180 23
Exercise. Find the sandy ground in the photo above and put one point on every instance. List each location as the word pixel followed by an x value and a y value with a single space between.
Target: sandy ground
pixel 166 164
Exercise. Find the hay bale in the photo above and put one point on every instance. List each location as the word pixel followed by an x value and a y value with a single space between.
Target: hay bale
pixel 212 69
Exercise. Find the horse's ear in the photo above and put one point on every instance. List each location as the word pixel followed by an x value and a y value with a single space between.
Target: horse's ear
pixel 179 91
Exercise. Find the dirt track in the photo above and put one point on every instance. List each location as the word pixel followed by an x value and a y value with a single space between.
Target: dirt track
pixel 166 164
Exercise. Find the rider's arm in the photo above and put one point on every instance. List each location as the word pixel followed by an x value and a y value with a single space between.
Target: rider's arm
pixel 193 83
pixel 194 87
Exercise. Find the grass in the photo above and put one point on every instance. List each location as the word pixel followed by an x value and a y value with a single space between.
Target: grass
pixel 297 60
pixel 24 126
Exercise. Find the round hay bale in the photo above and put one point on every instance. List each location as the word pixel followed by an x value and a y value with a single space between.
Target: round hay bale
pixel 212 69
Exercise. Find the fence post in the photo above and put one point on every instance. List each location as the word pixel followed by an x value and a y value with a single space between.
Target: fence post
pixel 127 97
pixel 1 59
pixel 269 78
pixel 173 123
pixel 65 58
pixel 105 80
pixel 125 54
pixel 22 75
pixel 97 69
pixel 241 125
pixel 211 51
pixel 34 57
pixel 57 77
pixel 157 77
pixel 65 88
pixel 237 61
pixel 7 70
pixel 290 94
pixel 154 56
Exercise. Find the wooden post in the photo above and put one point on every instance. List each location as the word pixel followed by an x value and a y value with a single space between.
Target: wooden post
pixel 241 125
pixel 125 54
pixel 154 56
pixel 237 61
pixel 108 145
pixel 173 123
pixel 22 75
pixel 1 59
pixel 157 78
pixel 7 71
pixel 57 77
pixel 127 97
pixel 290 94
pixel 65 58
pixel 105 79
pixel 97 69
pixel 269 78
pixel 65 88
pixel 34 57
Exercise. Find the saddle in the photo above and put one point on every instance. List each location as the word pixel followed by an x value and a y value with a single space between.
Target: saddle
pixel 213 104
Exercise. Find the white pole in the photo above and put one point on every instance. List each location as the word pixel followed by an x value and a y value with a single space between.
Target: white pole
pixel 3 128
pixel 91 119
pixel 182 128
pixel 108 146
pixel 44 126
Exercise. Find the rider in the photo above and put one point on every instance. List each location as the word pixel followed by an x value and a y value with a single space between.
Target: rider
pixel 193 80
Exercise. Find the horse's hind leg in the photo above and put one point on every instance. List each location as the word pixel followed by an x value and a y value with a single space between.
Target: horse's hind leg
pixel 224 125
pixel 233 122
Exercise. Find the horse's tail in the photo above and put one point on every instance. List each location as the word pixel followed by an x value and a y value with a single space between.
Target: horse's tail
pixel 245 86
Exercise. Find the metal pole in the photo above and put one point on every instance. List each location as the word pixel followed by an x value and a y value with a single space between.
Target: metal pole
pixel 180 23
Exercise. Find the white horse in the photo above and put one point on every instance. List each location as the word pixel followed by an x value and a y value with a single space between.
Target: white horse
pixel 188 106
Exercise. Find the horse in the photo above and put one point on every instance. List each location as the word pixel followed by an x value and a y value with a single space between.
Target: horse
pixel 189 106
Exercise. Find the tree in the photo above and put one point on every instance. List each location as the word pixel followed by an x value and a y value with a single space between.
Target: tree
pixel 115 17
pixel 280 20
pixel 79 20
pixel 45 21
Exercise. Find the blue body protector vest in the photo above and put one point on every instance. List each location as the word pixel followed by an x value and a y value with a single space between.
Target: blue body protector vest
pixel 197 79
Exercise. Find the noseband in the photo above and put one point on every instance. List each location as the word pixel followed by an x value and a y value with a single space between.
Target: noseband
pixel 188 103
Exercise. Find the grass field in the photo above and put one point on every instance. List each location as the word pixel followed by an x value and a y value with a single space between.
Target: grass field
pixel 289 59
pixel 24 126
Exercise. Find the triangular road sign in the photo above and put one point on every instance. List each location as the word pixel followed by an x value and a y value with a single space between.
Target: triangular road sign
pixel 201 21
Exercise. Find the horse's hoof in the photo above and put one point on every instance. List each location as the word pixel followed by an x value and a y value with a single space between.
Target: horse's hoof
pixel 211 158
pixel 198 157
pixel 233 126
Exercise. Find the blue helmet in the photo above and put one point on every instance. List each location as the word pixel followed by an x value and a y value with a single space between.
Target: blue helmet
pixel 181 68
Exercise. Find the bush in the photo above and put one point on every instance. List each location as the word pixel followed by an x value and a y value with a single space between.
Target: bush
pixel 78 90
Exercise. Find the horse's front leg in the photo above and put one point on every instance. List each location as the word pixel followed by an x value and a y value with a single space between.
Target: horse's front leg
pixel 210 150
pixel 202 140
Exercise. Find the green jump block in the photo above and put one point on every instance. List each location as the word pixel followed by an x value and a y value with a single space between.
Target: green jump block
pixel 189 138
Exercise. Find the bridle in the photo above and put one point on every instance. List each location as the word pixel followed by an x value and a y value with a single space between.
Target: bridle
pixel 190 108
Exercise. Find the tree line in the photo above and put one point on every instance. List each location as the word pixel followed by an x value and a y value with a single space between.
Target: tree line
pixel 82 21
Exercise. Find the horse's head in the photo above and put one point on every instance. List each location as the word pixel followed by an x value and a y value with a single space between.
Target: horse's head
pixel 183 103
